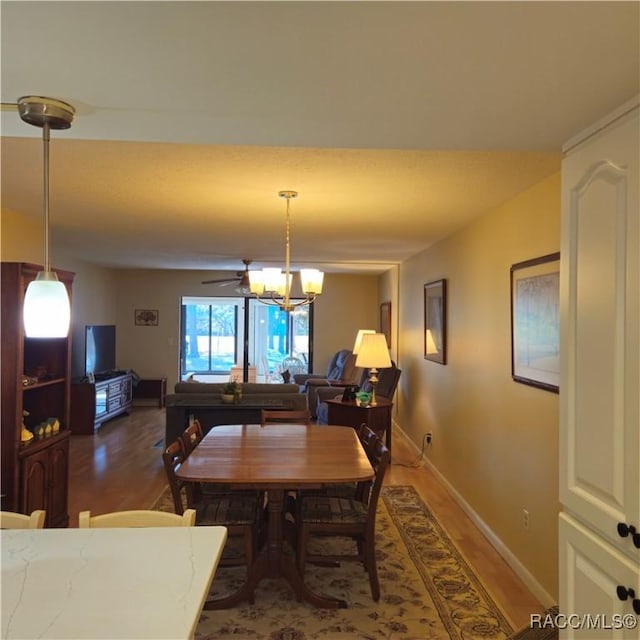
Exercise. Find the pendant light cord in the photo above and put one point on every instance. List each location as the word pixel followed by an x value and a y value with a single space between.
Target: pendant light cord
pixel 45 143
pixel 287 256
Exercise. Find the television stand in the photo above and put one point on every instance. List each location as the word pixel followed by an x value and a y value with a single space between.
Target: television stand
pixel 95 403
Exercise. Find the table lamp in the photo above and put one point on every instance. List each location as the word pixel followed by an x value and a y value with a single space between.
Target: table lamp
pixel 373 354
pixel 358 342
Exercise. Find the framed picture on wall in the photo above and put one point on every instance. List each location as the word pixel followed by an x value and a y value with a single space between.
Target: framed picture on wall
pixel 385 322
pixel 435 321
pixel 146 317
pixel 535 322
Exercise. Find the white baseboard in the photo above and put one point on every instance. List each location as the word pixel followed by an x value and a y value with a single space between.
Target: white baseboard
pixel 520 570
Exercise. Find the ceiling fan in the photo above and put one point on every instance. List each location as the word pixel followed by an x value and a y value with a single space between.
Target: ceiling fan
pixel 241 279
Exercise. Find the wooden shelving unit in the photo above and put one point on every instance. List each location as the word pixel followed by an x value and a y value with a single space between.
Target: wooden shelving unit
pixel 33 475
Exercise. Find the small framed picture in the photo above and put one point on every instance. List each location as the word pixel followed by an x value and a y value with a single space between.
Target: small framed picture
pixel 535 322
pixel 435 321
pixel 146 317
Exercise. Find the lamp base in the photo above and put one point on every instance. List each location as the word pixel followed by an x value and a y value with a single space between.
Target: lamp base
pixel 373 381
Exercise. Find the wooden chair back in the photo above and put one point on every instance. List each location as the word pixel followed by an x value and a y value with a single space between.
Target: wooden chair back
pixel 172 457
pixel 192 436
pixel 380 462
pixel 12 520
pixel 141 518
pixel 269 416
pixel 367 439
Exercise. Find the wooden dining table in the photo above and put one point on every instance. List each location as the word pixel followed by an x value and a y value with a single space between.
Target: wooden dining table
pixel 277 458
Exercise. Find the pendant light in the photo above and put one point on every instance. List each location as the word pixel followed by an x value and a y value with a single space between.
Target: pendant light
pixel 273 286
pixel 47 310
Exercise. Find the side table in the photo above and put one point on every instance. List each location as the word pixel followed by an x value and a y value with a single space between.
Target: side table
pixel 348 413
pixel 154 388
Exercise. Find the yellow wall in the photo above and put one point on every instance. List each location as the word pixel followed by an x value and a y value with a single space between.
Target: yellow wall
pixel 494 440
pixel 21 238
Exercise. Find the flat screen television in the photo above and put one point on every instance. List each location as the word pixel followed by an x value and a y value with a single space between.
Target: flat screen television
pixel 99 348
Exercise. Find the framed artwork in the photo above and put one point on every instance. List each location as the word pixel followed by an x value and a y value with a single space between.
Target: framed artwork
pixel 435 321
pixel 535 322
pixel 385 322
pixel 146 317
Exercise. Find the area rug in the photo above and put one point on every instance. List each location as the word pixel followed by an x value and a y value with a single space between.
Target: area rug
pixel 428 589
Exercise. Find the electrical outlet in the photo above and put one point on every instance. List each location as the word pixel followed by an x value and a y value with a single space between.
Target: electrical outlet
pixel 525 519
pixel 427 438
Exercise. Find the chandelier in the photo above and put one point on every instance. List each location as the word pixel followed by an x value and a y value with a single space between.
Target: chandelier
pixel 273 286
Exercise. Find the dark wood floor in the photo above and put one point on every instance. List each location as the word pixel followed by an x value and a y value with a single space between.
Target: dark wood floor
pixel 120 467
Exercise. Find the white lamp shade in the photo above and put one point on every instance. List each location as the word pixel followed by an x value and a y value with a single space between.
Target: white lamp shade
pixel 256 282
pixel 273 279
pixel 284 286
pixel 46 311
pixel 373 352
pixel 358 342
pixel 311 280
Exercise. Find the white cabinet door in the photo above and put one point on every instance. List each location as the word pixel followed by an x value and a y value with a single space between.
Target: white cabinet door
pixel 599 291
pixel 591 573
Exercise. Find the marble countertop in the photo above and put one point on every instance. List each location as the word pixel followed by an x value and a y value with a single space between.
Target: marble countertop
pixel 107 583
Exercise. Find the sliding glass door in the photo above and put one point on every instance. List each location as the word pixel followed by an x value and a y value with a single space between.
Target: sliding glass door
pixel 210 336
pixel 213 345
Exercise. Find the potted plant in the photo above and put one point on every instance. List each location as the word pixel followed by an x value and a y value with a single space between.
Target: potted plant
pixel 232 392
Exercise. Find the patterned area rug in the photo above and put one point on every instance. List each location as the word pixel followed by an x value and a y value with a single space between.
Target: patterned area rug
pixel 428 590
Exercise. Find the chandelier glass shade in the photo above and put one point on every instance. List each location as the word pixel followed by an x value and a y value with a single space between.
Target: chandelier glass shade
pixel 46 310
pixel 272 285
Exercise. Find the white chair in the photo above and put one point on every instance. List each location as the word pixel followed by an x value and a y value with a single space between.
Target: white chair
pixel 141 518
pixel 11 520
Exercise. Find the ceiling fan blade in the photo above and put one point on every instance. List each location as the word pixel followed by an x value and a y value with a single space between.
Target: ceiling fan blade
pixel 242 277
pixel 222 281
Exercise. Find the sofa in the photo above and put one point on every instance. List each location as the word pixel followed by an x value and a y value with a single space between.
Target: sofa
pixel 203 401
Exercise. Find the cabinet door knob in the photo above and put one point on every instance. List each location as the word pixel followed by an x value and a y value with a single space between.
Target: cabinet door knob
pixel 625 529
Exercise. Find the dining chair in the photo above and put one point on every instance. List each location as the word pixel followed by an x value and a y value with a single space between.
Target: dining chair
pixel 192 436
pixel 136 518
pixel 347 517
pixel 12 520
pixel 358 490
pixel 268 416
pixel 240 511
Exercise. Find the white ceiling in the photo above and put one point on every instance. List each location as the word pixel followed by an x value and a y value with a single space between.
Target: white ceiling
pixel 397 122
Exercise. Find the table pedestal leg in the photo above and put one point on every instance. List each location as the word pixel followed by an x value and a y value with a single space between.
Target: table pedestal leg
pixel 272 562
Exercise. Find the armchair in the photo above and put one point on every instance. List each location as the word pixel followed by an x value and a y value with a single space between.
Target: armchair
pixel 387 383
pixel 341 371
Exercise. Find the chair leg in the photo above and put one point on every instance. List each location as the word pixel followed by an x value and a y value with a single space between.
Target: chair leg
pixel 301 547
pixel 370 566
pixel 249 552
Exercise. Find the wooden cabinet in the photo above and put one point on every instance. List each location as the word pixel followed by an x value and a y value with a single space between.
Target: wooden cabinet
pixel 35 380
pixel 151 389
pixel 44 479
pixel 600 380
pixel 94 403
